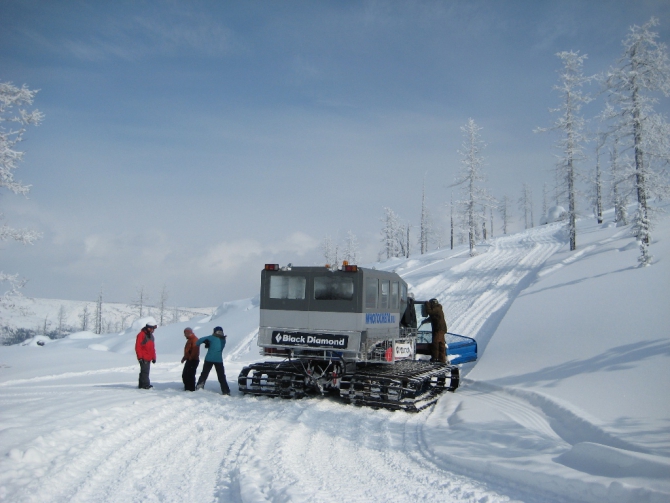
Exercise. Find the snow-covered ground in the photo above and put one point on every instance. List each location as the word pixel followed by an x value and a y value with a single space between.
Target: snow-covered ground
pixel 568 402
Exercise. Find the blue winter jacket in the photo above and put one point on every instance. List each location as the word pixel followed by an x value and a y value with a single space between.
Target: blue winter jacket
pixel 216 345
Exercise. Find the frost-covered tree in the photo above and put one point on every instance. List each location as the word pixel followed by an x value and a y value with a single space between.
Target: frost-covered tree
pixel 471 178
pixel 451 222
pixel 140 300
pixel 98 314
pixel 390 233
pixel 402 238
pixel 491 217
pixel 571 126
pixel 14 118
pixel 642 73
pixel 62 316
pixel 162 305
pixel 84 317
pixel 425 230
pixel 350 251
pixel 526 206
pixel 620 186
pixel 328 251
pixel 598 185
pixel 504 209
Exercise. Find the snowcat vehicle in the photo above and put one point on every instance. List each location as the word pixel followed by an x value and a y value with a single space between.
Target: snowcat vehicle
pixel 339 332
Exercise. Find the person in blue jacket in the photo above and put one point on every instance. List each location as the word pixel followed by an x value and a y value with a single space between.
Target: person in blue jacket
pixel 214 344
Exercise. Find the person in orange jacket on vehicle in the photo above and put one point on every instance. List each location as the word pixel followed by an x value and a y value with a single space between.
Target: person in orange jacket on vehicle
pixel 146 352
pixel 191 359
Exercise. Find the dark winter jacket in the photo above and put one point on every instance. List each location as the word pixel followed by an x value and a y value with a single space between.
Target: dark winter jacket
pixel 436 316
pixel 216 345
pixel 144 345
pixel 409 317
pixel 191 349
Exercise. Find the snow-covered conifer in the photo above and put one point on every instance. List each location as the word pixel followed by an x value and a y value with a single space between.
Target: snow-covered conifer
pixel 98 314
pixel 162 305
pixel 140 301
pixel 425 231
pixel 571 125
pixel 471 178
pixel 392 228
pixel 598 185
pixel 643 72
pixel 14 119
pixel 84 317
pixel 451 222
pixel 328 251
pixel 620 187
pixel 526 206
pixel 504 209
pixel 62 316
pixel 350 248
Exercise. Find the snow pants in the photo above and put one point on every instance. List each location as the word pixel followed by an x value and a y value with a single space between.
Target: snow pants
pixel 220 373
pixel 188 374
pixel 439 348
pixel 145 367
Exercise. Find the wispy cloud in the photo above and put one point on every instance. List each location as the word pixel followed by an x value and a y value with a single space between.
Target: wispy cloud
pixel 176 31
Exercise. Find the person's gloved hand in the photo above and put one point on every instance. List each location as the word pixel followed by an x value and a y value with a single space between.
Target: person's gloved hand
pixel 153 361
pixel 140 360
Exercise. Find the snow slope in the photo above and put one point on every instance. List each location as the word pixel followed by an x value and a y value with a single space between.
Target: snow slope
pixel 568 401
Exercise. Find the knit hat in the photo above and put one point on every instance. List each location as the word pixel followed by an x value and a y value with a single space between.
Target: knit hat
pixel 218 331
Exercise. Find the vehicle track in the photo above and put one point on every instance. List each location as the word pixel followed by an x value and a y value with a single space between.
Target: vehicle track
pixel 473 290
pixel 177 447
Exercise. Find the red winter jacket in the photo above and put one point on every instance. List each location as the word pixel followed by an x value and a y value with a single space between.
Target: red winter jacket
pixel 144 346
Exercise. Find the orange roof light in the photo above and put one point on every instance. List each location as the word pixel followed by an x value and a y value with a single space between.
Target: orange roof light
pixel 271 267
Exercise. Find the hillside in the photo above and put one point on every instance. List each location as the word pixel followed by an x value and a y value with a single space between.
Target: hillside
pixel 56 318
pixel 568 401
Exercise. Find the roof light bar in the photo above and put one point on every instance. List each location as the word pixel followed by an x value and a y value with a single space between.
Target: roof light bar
pixel 350 268
pixel 271 267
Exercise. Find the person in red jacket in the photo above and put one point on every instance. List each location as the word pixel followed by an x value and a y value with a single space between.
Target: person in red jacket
pixel 191 359
pixel 146 352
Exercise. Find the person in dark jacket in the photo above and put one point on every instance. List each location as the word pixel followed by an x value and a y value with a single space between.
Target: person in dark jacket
pixel 409 316
pixel 439 329
pixel 146 353
pixel 191 359
pixel 214 358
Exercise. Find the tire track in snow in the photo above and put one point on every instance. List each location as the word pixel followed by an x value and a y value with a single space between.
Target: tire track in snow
pixel 323 446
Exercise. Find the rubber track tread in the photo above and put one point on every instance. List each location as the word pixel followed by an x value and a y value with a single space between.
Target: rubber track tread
pixel 284 379
pixel 408 385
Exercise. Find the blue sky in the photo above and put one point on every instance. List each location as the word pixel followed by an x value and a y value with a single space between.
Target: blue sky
pixel 188 143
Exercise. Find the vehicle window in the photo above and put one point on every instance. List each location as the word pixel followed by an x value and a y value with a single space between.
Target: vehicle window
pixel 394 295
pixel 384 295
pixel 371 293
pixel 287 287
pixel 403 293
pixel 333 288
